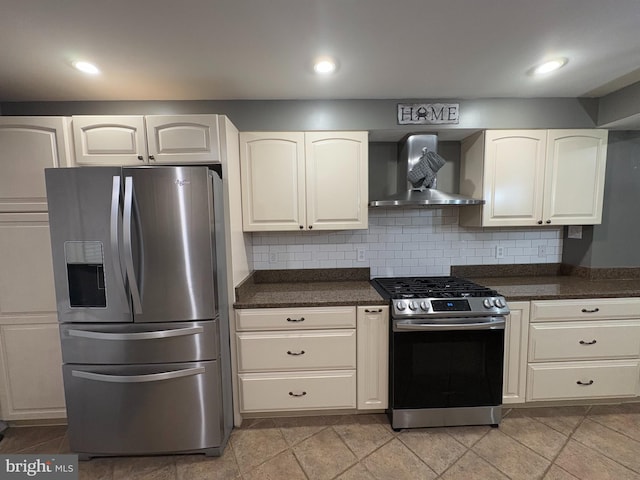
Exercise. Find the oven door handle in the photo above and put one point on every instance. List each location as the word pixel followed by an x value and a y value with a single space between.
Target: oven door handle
pixel 410 326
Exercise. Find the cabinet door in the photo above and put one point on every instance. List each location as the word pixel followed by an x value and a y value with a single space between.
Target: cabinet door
pixel 28 145
pixel 337 180
pixel 515 353
pixel 373 357
pixel 183 138
pixel 514 177
pixel 31 369
pixel 574 178
pixel 109 140
pixel 26 272
pixel 273 181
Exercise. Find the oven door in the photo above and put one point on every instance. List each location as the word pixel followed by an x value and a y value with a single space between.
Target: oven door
pixel 448 363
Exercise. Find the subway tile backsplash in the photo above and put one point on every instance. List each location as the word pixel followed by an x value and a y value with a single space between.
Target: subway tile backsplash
pixel 404 242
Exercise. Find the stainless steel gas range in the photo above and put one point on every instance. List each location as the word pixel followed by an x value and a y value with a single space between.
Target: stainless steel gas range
pixel 446 351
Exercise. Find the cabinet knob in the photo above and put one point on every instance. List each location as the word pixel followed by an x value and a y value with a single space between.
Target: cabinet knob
pixel 151 157
pixel 140 157
pixel 548 221
pixel 301 227
pixel 539 222
pixel 310 227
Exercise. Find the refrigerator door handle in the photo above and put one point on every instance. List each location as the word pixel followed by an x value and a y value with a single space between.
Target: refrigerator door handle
pixel 128 245
pixel 152 377
pixel 115 231
pixel 178 332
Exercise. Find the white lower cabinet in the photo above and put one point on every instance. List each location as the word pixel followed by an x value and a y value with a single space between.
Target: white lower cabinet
pixel 515 353
pixel 30 355
pixel 296 359
pixel 373 357
pixel 583 349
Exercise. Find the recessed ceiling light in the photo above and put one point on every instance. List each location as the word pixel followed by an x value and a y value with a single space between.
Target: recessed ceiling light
pixel 324 66
pixel 86 67
pixel 550 66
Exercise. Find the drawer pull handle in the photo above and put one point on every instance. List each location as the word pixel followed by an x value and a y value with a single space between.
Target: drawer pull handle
pixel 586 384
pixel 301 319
pixel 582 342
pixel 378 310
pixel 586 310
pixel 289 352
pixel 297 394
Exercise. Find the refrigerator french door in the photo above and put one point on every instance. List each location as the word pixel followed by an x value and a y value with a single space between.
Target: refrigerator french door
pixel 138 257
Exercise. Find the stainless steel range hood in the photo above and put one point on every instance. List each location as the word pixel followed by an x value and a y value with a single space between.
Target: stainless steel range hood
pixel 411 150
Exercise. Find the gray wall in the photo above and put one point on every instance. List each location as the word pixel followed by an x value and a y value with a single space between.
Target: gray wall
pixel 616 242
pixel 376 116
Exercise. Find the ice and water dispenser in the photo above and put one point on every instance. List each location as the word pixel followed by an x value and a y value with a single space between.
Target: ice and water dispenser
pixel 85 274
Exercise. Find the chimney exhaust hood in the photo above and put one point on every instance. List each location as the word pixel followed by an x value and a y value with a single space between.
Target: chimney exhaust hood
pixel 411 151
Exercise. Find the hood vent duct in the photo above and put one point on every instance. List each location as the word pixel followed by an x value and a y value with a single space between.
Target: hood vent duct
pixel 412 150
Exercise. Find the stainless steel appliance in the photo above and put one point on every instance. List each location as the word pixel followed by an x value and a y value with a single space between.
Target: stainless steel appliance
pixel 138 257
pixel 446 351
pixel 411 150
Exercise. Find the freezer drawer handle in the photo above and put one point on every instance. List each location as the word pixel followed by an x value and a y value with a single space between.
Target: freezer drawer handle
pixel 297 394
pixel 152 377
pixel 301 319
pixel 582 342
pixel 178 332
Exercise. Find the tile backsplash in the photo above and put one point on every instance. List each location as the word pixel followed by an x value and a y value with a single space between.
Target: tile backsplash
pixel 404 242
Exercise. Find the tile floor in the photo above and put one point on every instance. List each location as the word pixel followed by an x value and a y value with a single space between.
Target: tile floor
pixel 560 443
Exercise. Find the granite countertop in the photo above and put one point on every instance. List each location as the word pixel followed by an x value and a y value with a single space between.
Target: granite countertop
pixel 560 287
pixel 554 281
pixel 307 288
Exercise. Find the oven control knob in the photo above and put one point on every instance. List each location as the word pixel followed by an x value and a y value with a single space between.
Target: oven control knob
pixel 500 303
pixel 401 306
pixel 413 305
pixel 487 302
pixel 424 306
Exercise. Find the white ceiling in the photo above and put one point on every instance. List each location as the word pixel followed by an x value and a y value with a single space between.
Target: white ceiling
pixel 263 49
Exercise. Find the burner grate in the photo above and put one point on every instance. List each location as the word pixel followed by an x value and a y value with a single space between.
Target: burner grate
pixel 432 287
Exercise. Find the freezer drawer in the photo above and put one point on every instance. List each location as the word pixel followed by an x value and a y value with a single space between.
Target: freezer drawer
pixel 143 409
pixel 109 344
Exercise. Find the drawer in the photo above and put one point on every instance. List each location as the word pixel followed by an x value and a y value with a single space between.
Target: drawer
pixel 265 392
pixel 587 309
pixel 574 380
pixel 295 318
pixel 307 350
pixel 584 340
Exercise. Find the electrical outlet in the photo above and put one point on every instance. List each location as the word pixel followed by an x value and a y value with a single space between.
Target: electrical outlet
pixel 273 257
pixel 574 231
pixel 542 250
pixel 499 252
pixel 361 254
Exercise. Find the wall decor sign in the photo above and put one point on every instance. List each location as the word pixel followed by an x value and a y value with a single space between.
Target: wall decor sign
pixel 428 113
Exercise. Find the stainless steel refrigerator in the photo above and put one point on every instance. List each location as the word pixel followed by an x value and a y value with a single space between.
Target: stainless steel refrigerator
pixel 139 268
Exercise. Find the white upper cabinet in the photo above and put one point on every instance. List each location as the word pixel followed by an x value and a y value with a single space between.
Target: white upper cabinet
pixel 28 145
pixel 304 180
pixel 139 140
pixel 574 177
pixel 534 177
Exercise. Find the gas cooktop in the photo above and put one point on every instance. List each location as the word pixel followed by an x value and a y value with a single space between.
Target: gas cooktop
pixel 413 297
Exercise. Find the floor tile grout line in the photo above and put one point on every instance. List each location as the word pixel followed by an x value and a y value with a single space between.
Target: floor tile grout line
pixel 430 467
pixel 569 437
pixel 604 454
pixel 614 429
